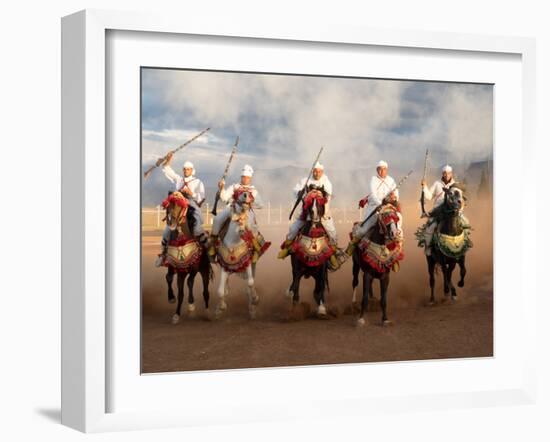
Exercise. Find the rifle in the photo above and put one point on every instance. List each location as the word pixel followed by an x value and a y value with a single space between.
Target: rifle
pixel 302 191
pixel 384 202
pixel 218 193
pixel 163 160
pixel 424 214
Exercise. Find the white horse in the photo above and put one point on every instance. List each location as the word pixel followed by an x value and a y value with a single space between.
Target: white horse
pixel 239 251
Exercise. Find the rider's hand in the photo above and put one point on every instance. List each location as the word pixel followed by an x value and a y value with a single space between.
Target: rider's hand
pixel 221 184
pixel 169 157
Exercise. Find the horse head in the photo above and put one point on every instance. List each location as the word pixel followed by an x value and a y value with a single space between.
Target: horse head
pixel 314 204
pixel 388 223
pixel 176 206
pixel 454 200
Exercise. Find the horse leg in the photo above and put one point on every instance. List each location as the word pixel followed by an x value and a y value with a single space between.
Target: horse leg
pixel 191 298
pixel 295 286
pixel 169 278
pixel 452 266
pixel 384 284
pixel 319 291
pixel 181 281
pixel 205 275
pixel 431 271
pixel 446 277
pixel 355 282
pixel 253 298
pixel 222 289
pixel 462 265
pixel 367 288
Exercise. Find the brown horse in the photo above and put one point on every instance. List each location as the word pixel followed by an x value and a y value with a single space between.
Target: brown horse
pixel 185 257
pixel 451 241
pixel 378 252
pixel 311 252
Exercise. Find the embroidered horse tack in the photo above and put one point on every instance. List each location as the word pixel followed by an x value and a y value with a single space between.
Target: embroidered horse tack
pixel 453 246
pixel 183 254
pixel 312 251
pixel 381 257
pixel 237 258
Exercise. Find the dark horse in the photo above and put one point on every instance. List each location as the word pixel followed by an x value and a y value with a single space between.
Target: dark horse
pixel 376 255
pixel 450 242
pixel 185 257
pixel 311 251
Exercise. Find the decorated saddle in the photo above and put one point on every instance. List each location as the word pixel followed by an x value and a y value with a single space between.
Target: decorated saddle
pixel 183 254
pixel 381 257
pixel 312 249
pixel 453 246
pixel 236 259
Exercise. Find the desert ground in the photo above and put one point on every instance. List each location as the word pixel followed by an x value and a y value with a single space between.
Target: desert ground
pixel 447 330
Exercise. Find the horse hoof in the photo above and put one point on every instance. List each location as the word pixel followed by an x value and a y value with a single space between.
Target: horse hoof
pixel 461 283
pixel 191 310
pixel 172 300
pixel 321 311
pixel 252 312
pixel 361 322
pixel 386 323
pixel 430 303
pixel 175 319
pixel 255 300
pixel 289 293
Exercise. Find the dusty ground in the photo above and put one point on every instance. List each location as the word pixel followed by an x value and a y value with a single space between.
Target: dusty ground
pixel 461 329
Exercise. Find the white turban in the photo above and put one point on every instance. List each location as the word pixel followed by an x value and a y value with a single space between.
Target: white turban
pixel 447 169
pixel 382 163
pixel 319 166
pixel 247 170
pixel 188 165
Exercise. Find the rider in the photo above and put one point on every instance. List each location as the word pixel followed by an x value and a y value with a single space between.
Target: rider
pixel 318 182
pixel 437 193
pixel 193 190
pixel 226 195
pixel 382 190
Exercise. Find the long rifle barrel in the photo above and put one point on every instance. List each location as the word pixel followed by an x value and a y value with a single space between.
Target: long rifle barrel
pixel 226 170
pixel 162 160
pixel 301 192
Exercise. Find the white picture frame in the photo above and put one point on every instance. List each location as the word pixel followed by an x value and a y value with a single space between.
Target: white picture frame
pixel 85 198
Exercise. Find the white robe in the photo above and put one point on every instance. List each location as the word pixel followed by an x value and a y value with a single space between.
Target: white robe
pixel 379 189
pixel 327 221
pixel 436 192
pixel 191 182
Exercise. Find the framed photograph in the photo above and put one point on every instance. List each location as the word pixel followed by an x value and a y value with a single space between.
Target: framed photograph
pixel 255 217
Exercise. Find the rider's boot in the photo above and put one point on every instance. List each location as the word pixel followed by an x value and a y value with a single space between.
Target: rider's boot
pixel 285 249
pixel 351 245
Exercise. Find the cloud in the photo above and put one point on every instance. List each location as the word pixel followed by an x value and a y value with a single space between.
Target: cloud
pixel 284 120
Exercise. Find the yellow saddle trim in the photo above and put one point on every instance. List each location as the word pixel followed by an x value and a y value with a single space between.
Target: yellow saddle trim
pixel 380 251
pixel 454 243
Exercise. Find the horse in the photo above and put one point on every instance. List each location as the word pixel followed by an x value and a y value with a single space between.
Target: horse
pixel 311 251
pixel 377 253
pixel 237 250
pixel 450 242
pixel 185 257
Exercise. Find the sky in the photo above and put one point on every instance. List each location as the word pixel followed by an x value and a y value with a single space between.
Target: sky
pixel 283 120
